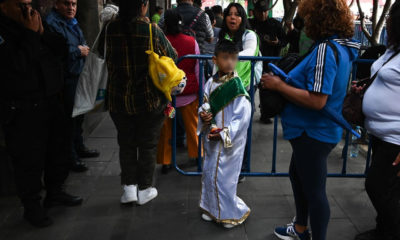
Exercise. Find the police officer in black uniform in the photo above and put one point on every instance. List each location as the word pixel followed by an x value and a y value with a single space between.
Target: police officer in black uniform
pixel 31 111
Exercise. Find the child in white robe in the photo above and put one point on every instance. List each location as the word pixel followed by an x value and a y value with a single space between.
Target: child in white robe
pixel 225 118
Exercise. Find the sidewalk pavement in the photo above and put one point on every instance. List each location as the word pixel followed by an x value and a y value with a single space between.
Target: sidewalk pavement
pixel 174 214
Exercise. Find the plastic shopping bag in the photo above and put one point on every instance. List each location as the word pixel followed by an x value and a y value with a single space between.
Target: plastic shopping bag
pixel 92 84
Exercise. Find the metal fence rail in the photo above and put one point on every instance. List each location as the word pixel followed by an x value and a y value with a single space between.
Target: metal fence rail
pixel 273 172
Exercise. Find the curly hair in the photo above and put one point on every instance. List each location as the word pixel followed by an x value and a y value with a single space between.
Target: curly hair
pixel 392 24
pixel 325 18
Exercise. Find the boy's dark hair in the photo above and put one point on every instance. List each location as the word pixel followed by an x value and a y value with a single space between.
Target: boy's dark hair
pixel 226 46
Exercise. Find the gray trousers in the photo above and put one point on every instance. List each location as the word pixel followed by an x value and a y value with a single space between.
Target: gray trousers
pixel 138 138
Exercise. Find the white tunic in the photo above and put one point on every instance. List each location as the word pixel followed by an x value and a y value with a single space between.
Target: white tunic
pixel 223 161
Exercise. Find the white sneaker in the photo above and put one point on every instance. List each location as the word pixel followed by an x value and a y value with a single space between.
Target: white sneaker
pixel 145 196
pixel 228 225
pixel 130 194
pixel 206 218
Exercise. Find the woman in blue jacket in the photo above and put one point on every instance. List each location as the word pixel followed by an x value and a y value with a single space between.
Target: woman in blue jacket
pixel 319 81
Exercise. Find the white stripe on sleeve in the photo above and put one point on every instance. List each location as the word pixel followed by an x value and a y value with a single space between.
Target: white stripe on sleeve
pixel 319 68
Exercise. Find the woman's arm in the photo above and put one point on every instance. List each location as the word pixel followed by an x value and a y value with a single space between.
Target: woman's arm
pixel 249 44
pixel 319 75
pixel 301 97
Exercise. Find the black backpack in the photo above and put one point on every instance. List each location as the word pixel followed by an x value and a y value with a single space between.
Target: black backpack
pixel 188 29
pixel 272 103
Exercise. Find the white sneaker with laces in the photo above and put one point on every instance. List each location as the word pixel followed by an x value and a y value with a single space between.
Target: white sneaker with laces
pixel 206 218
pixel 146 195
pixel 130 194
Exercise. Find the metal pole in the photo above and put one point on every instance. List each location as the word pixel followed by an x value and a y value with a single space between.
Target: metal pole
pixel 250 129
pixel 173 157
pixel 275 143
pixel 199 147
pixel 345 152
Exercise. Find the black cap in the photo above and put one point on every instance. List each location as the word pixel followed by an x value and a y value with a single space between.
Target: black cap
pixel 261 5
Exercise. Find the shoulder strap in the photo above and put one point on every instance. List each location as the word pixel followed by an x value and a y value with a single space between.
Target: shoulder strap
pixel 334 49
pixel 225 93
pixel 394 55
pixel 151 38
pixel 376 74
pixel 196 18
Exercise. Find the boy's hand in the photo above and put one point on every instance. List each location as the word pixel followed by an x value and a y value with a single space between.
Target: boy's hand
pixel 214 137
pixel 206 117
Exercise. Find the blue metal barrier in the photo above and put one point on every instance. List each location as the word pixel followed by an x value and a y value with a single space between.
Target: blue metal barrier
pixel 273 172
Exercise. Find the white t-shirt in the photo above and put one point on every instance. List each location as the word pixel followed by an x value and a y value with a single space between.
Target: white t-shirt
pixel 381 104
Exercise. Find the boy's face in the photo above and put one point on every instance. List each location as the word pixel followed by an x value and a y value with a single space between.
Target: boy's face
pixel 226 62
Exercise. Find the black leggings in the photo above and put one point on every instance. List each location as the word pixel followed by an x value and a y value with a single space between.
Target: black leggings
pixel 308 171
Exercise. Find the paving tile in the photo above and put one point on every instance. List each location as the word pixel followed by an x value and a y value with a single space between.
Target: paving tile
pixel 342 229
pixel 270 207
pixel 106 155
pixel 263 228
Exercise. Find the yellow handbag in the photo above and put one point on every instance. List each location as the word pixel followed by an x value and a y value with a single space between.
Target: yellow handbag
pixel 163 71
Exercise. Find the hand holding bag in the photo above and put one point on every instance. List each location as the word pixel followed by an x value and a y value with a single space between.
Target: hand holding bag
pixel 352 104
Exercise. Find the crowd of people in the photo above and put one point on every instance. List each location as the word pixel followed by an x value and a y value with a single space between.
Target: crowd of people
pixel 40 65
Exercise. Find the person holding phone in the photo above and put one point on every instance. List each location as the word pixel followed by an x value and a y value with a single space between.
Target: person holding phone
pixel 62 20
pixel 272 38
pixel 31 113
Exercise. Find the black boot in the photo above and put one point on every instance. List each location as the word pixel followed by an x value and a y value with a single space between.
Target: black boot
pixel 165 169
pixel 61 198
pixel 79 166
pixel 36 215
pixel 265 120
pixel 85 152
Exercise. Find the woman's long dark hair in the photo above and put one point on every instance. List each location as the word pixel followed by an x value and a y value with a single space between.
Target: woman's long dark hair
pixel 237 38
pixel 173 22
pixel 393 29
pixel 129 9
